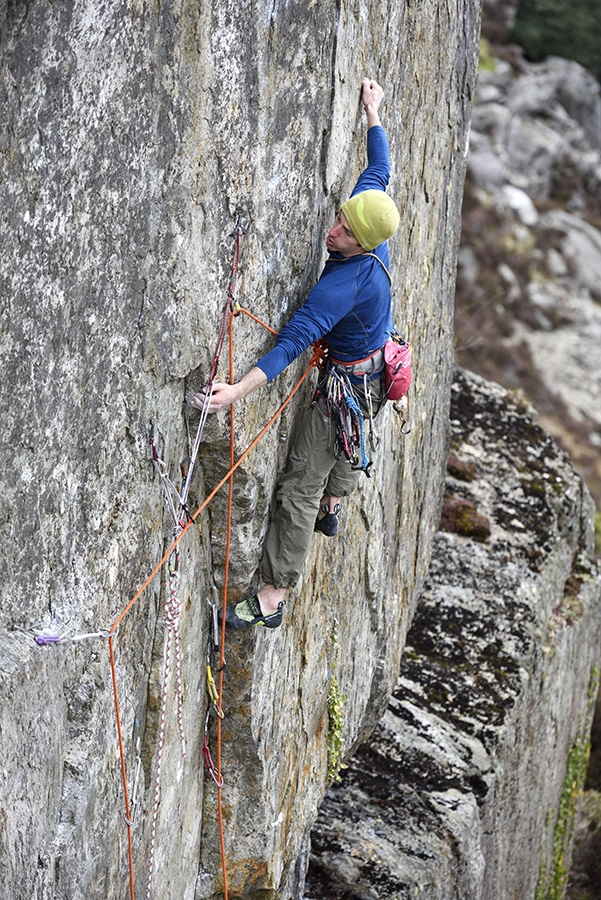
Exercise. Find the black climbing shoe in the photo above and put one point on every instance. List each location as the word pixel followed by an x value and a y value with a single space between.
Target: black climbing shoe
pixel 328 523
pixel 248 612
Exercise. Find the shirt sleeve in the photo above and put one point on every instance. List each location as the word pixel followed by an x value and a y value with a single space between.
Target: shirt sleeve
pixel 377 174
pixel 332 297
pixel 327 302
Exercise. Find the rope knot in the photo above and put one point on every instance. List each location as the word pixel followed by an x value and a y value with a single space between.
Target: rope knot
pixel 173 611
pixel 173 606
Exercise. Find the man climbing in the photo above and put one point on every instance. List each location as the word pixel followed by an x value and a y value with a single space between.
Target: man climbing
pixel 350 308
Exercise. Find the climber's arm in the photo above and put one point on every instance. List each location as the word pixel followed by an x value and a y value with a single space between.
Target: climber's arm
pixel 225 394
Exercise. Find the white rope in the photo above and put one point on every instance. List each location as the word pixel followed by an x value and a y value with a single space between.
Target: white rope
pixel 172 616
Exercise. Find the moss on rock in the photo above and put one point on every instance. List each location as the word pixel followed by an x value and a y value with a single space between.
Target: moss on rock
pixel 461 517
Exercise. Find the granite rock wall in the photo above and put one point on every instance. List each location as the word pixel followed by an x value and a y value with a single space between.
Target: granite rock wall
pixel 134 134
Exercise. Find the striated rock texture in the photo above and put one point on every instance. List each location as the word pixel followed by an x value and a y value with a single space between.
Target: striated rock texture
pixel 133 134
pixel 470 784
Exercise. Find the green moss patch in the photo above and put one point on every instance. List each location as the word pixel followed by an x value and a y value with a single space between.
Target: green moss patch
pixel 460 516
pixel 553 879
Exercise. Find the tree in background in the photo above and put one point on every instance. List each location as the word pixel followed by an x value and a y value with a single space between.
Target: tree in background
pixel 568 28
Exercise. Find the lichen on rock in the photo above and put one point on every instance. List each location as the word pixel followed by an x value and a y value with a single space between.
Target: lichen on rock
pixel 468 787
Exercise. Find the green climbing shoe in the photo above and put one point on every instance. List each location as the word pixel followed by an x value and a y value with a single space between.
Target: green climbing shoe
pixel 248 612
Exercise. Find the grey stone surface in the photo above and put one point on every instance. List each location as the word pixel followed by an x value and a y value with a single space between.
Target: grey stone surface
pixel 540 122
pixel 458 792
pixel 553 243
pixel 133 134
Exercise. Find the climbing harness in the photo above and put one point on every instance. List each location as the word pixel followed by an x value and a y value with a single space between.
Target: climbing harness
pixel 393 361
pixel 335 389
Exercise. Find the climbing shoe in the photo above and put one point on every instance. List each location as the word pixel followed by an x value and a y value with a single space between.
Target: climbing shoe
pixel 248 612
pixel 328 522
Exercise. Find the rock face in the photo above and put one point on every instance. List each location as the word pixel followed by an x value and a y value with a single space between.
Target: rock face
pixel 527 307
pixel 134 134
pixel 469 786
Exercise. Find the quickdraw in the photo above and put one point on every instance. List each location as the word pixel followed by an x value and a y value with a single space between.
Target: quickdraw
pixel 231 306
pixel 336 390
pixel 131 820
pixel 212 648
pixel 206 755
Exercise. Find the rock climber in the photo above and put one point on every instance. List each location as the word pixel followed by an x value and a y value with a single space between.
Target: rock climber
pixel 350 308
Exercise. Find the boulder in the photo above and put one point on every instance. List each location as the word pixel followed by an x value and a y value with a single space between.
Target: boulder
pixel 579 93
pixel 469 787
pixel 539 121
pixel 581 248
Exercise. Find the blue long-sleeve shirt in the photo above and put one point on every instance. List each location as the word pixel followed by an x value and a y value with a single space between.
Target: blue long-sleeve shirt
pixel 350 304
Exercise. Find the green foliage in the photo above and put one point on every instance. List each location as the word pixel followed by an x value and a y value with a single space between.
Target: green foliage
pixel 553 881
pixel 486 61
pixel 568 28
pixel 336 702
pixel 597 533
pixel 335 723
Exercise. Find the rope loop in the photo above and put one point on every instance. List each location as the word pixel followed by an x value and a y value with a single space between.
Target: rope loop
pixel 173 606
pixel 173 611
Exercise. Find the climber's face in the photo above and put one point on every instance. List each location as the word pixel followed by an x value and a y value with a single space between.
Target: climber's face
pixel 341 239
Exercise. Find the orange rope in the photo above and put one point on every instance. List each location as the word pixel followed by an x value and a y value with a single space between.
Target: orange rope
pixel 315 361
pixel 251 316
pixel 228 541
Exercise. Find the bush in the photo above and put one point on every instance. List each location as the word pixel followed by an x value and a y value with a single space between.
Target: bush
pixel 568 28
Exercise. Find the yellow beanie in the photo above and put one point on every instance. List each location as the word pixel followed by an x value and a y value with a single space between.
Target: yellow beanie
pixel 373 217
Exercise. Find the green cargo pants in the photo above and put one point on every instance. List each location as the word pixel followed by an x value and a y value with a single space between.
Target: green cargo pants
pixel 312 470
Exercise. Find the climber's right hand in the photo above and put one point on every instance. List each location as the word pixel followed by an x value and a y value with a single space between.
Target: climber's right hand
pixel 223 395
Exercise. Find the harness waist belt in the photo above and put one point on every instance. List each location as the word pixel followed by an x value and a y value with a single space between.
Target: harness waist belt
pixel 370 365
